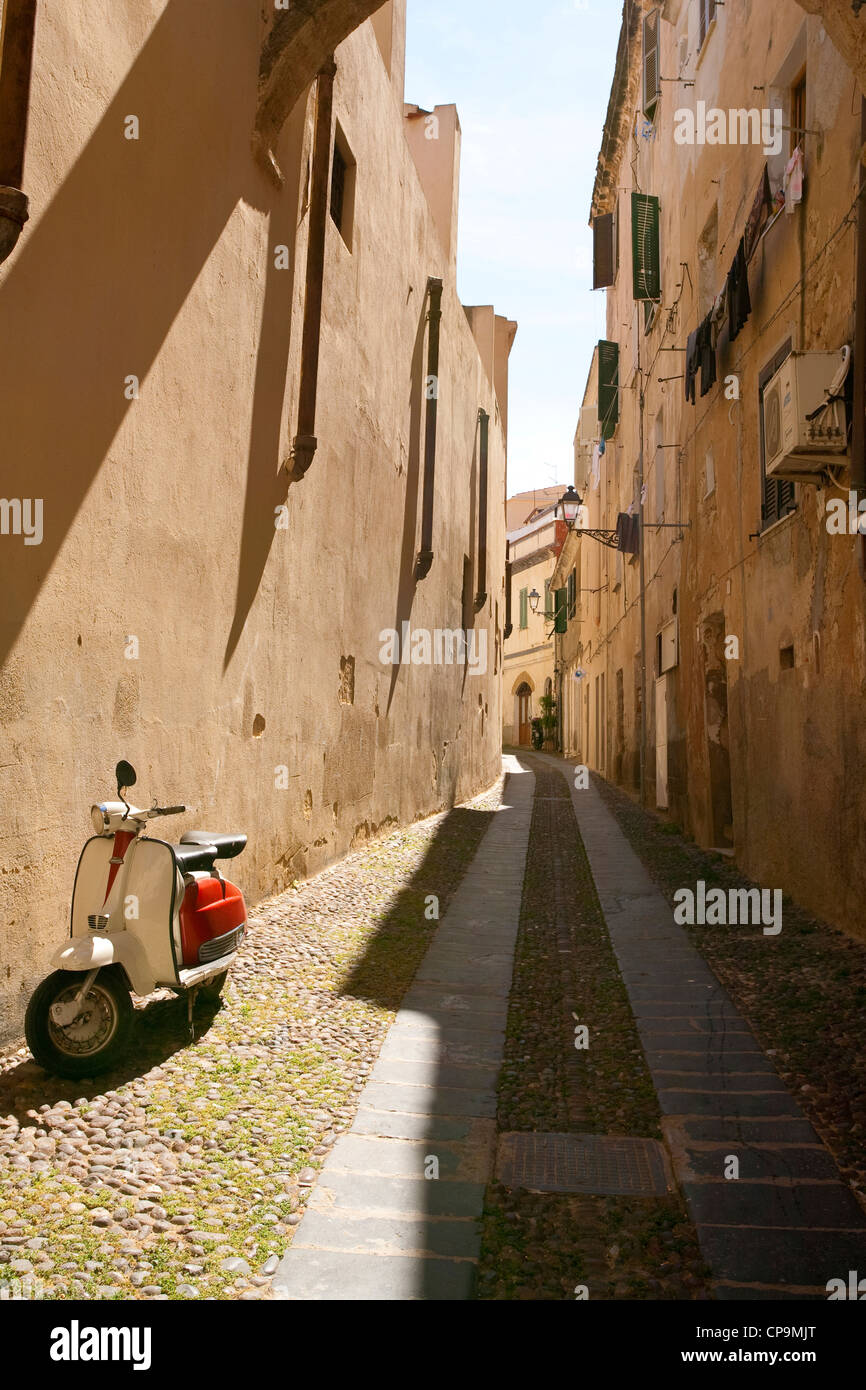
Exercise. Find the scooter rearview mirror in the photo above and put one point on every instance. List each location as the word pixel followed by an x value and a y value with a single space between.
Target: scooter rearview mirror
pixel 125 774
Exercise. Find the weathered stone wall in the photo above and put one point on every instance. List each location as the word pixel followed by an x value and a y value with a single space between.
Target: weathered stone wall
pixel 257 647
pixel 760 748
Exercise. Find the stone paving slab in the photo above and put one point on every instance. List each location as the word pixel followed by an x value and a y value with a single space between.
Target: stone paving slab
pixel 340 1275
pixel 756 1164
pixel 434 1072
pixel 382 1195
pixel 384 1124
pixel 466 1160
pixel 376 1227
pixel 759 1238
pixel 361 1234
pixel 403 1046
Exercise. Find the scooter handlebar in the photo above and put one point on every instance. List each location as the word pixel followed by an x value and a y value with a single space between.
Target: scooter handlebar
pixel 167 810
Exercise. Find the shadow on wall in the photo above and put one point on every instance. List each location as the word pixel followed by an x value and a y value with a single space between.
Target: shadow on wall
pixel 95 287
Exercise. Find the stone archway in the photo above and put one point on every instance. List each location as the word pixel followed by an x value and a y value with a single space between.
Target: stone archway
pixel 522 690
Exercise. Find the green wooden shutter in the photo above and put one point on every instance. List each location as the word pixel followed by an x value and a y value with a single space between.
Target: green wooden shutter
pixel 561 624
pixel 524 597
pixel 608 388
pixel 604 251
pixel 572 594
pixel 645 246
pixel 651 82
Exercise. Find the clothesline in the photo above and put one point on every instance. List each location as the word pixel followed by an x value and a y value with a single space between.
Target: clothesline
pixel 733 302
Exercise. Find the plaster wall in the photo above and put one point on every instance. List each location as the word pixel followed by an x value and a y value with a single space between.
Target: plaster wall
pixel 188 608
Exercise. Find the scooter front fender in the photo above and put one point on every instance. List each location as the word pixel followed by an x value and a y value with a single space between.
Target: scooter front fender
pixel 83 953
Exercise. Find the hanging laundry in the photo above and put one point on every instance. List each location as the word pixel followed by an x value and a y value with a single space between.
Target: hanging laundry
pixel 762 211
pixel 739 299
pixel 643 495
pixel 691 365
pixel 707 355
pixel 718 314
pixel 792 182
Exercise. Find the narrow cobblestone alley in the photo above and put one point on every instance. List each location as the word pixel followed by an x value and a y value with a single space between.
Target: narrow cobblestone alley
pixel 669 1055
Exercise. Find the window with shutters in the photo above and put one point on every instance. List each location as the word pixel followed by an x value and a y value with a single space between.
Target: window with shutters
pixel 608 388
pixel 605 250
pixel 651 82
pixel 706 16
pixel 572 595
pixel 779 496
pixel 524 608
pixel 646 268
pixel 548 601
pixel 561 611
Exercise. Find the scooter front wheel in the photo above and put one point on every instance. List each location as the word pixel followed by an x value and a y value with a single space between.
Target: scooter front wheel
pixel 94 1040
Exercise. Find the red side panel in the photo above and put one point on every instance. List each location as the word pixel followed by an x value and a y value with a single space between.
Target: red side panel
pixel 209 909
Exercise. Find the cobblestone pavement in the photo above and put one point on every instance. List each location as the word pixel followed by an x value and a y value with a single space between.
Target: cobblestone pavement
pixel 187 1174
pixel 184 1174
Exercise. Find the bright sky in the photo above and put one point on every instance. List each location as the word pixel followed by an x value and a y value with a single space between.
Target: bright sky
pixel 531 84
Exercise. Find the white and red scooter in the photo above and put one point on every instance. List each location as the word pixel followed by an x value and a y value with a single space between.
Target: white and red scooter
pixel 145 914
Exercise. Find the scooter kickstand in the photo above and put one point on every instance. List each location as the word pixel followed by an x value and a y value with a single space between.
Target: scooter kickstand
pixel 190 1005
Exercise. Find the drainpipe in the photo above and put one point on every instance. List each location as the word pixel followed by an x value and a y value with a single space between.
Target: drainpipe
pixel 424 558
pixel 484 425
pixel 509 627
pixel 305 442
pixel 16 47
pixel 858 439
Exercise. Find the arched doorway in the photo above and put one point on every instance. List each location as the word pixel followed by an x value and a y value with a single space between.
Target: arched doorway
pixel 524 715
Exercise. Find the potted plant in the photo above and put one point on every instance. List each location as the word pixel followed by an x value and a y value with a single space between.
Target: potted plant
pixel 537 732
pixel 548 720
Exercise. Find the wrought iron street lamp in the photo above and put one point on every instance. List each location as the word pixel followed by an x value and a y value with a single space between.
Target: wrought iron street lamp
pixel 568 507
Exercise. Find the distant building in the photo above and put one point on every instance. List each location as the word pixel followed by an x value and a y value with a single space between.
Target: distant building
pixel 528 670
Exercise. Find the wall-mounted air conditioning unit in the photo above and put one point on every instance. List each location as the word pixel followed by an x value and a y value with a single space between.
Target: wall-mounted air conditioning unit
pixel 794 445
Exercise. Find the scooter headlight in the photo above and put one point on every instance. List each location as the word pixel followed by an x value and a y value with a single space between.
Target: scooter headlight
pixel 99 819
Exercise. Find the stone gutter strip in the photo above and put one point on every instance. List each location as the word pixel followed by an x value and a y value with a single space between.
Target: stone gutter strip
pixel 376 1226
pixel 789 1224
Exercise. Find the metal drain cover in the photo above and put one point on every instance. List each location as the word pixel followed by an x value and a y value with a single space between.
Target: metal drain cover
pixel 589 1163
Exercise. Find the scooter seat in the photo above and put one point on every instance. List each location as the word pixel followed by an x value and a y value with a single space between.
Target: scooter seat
pixel 197 856
pixel 227 846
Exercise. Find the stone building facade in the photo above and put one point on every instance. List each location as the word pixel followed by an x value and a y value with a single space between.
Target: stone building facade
pixel 237 487
pixel 743 677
